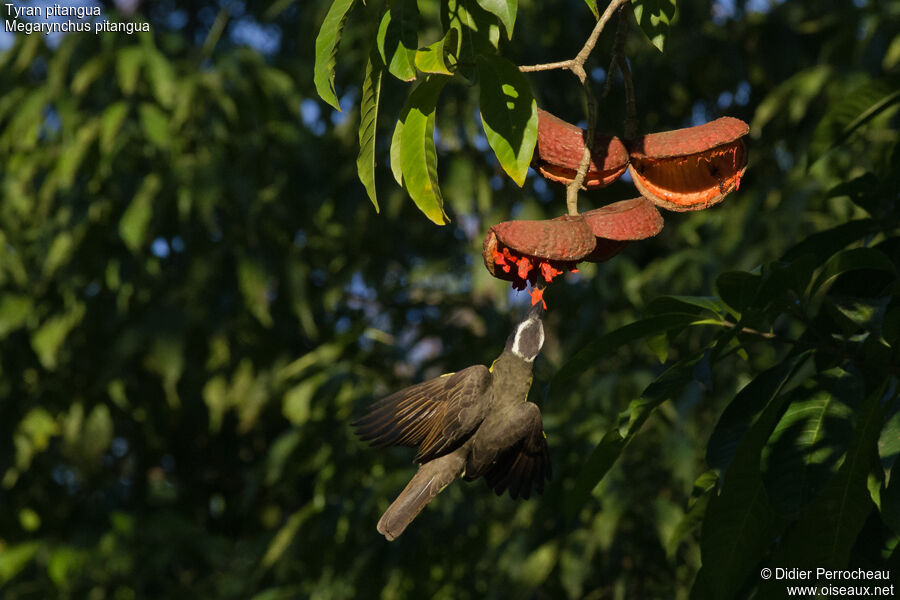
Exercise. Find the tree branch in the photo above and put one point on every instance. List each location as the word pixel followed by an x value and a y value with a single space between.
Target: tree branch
pixel 576 66
pixel 822 347
pixel 620 62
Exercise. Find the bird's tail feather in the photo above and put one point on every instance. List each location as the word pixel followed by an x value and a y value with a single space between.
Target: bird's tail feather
pixel 431 478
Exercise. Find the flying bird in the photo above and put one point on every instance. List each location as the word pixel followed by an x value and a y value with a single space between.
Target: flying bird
pixel 473 423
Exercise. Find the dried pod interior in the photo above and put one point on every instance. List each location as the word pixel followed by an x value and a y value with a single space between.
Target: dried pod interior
pixel 560 147
pixel 693 168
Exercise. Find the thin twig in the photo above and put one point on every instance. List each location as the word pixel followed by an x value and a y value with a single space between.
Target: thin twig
pixel 586 50
pixel 631 120
pixel 823 347
pixel 563 64
pixel 617 51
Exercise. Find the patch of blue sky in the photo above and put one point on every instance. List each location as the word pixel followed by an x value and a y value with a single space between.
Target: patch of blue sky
pixel 699 113
pixel 742 93
pixel 160 248
pixel 311 115
pixel 761 6
pixel 346 102
pixel 265 39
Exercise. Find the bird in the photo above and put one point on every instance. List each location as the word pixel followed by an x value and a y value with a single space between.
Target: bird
pixel 473 423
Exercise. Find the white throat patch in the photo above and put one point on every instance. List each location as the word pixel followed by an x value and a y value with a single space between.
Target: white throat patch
pixel 527 329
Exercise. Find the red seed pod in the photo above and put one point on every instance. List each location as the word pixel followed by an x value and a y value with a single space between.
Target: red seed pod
pixel 520 251
pixel 605 250
pixel 691 168
pixel 634 219
pixel 564 238
pixel 560 147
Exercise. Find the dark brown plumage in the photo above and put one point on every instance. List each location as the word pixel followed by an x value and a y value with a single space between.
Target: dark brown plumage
pixel 472 423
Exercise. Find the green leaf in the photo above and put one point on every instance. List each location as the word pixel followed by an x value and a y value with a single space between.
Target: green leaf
pixel 136 218
pixel 64 562
pixel 49 337
pixel 592 4
pixel 280 452
pixel 889 445
pixel 155 124
pixel 629 422
pixel 217 400
pixel 396 152
pixel 505 10
pixel 110 125
pixel 742 411
pixel 850 260
pixel 704 489
pixel 865 191
pixel 97 434
pixel 823 244
pixel 828 529
pixel 433 59
pixel 15 558
pixel 92 69
pixel 418 157
pixel 608 344
pixel 740 522
pixel 654 17
pixel 508 113
pixel 162 78
pixel 254 287
pixel 128 68
pixel 792 97
pixel 398 39
pixel 478 29
pixel 805 449
pixel 327 42
pixel 738 289
pixel 368 110
pixel 59 253
pixel 890 505
pixel 601 460
pixel 286 534
pixel 166 359
pixel 14 312
pixel 297 402
pixel 687 304
pixel 851 112
pixel 69 164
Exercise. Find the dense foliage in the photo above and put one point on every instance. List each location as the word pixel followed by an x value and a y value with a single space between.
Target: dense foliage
pixel 196 296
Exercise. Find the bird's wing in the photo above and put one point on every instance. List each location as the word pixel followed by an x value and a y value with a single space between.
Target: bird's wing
pixel 436 415
pixel 526 463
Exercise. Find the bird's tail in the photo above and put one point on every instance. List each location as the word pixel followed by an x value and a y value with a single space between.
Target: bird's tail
pixel 431 478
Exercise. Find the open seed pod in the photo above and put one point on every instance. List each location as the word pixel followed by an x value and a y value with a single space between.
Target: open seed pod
pixel 519 251
pixel 616 224
pixel 692 168
pixel 559 149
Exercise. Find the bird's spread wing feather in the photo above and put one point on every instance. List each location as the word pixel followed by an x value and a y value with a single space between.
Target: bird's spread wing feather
pixel 436 415
pixel 523 465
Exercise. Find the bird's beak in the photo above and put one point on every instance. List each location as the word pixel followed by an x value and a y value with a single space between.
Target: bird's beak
pixel 536 311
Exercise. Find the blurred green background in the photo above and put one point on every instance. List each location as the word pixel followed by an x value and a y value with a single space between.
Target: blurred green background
pixel 196 296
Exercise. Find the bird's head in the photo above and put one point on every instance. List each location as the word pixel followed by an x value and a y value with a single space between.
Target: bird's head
pixel 528 337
